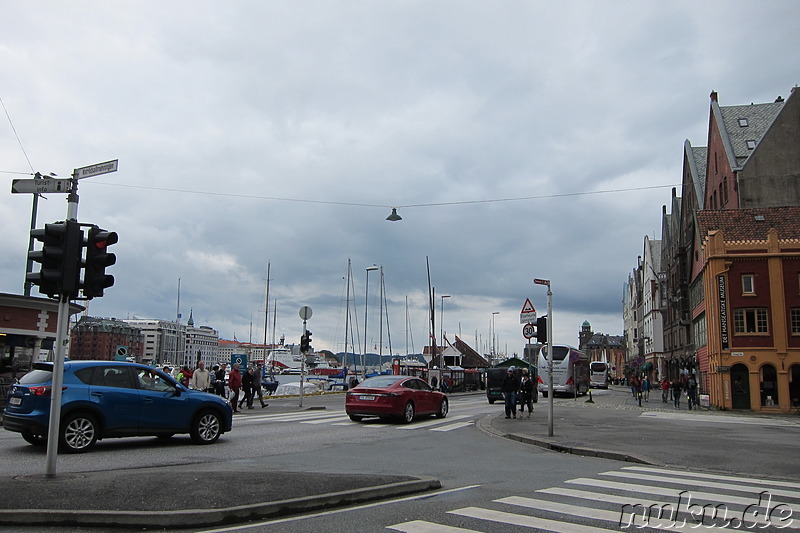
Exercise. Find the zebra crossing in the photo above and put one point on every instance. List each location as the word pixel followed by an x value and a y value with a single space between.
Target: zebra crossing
pixel 634 498
pixel 339 418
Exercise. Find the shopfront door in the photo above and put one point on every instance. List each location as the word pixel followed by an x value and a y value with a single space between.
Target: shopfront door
pixel 740 385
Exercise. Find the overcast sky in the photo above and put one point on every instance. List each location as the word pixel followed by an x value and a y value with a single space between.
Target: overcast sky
pixel 519 140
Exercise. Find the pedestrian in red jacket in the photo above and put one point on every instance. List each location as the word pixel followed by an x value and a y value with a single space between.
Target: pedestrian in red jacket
pixel 235 384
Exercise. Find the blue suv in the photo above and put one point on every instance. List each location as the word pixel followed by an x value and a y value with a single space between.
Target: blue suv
pixel 104 399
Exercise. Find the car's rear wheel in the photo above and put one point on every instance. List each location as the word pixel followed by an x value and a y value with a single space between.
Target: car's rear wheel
pixel 408 413
pixel 79 432
pixel 206 427
pixel 32 438
pixel 356 418
pixel 443 409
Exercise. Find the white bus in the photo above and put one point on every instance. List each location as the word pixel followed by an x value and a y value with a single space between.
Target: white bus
pixel 598 374
pixel 570 370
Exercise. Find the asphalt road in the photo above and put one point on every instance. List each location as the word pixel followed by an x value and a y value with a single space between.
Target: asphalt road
pixel 488 482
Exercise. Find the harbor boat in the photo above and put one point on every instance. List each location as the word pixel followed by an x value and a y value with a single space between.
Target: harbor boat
pixel 281 360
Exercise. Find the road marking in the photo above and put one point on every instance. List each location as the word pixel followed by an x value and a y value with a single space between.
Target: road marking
pixel 623 506
pixel 732 479
pixel 675 493
pixel 421 526
pixel 527 521
pixel 720 419
pixel 433 422
pixel 671 478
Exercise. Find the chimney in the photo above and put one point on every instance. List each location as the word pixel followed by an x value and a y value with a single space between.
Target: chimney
pixel 713 96
pixel 779 99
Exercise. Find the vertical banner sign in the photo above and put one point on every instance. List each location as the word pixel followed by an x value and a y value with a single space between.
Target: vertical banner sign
pixel 723 312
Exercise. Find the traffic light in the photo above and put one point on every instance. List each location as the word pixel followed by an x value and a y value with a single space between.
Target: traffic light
pixel 541 329
pixel 305 342
pixel 95 279
pixel 60 257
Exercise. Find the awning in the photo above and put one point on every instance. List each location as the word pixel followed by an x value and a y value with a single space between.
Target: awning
pixel 647 366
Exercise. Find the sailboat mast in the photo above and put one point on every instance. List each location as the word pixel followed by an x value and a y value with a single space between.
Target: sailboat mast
pixel 266 314
pixel 347 312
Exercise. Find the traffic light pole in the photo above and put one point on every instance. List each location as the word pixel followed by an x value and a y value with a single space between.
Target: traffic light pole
pixel 302 367
pixel 549 361
pixel 549 345
pixel 53 428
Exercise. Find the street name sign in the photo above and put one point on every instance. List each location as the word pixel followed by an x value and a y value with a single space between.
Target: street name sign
pixel 43 185
pixel 528 313
pixel 96 170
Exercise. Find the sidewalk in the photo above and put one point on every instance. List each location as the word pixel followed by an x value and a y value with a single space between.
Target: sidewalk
pixel 613 426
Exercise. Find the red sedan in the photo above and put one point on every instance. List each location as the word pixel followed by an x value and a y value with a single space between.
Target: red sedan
pixel 403 397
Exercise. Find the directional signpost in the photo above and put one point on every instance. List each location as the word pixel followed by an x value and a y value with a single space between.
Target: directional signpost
pixel 40 186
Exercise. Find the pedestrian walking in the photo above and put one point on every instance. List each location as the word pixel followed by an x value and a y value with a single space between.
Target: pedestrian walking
pixel 201 378
pixel 219 383
pixel 691 391
pixel 509 388
pixel 646 388
pixel 676 392
pixel 525 394
pixel 247 387
pixel 664 389
pixel 235 385
pixel 258 377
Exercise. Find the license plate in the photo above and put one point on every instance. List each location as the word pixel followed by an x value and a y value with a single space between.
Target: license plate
pixel 366 397
pixel 15 401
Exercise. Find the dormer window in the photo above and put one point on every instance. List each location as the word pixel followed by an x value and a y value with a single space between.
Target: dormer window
pixel 743 123
pixel 751 144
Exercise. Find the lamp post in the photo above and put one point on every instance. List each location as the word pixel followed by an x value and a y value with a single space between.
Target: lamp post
pixel 494 353
pixel 366 307
pixel 441 325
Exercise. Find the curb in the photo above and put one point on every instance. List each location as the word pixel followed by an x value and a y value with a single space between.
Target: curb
pixel 189 518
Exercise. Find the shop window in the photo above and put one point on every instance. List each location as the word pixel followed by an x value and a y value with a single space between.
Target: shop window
pixel 750 320
pixel 748 284
pixel 769 386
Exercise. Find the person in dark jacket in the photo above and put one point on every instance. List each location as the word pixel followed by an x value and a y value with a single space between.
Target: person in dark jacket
pixel 525 394
pixel 247 387
pixel 509 389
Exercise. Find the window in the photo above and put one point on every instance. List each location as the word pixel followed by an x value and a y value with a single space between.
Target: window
pixel 795 321
pixel 743 122
pixel 751 144
pixel 724 190
pixel 748 284
pixel 750 320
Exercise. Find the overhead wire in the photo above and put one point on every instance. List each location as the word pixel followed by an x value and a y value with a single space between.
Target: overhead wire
pixel 14 129
pixel 387 206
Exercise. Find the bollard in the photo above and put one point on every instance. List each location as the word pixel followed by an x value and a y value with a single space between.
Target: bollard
pixel 590 397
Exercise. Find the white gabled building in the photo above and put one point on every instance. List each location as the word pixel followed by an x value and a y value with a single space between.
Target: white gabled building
pixel 651 340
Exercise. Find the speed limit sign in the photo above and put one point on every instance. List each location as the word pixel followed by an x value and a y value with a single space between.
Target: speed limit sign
pixel 528 331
